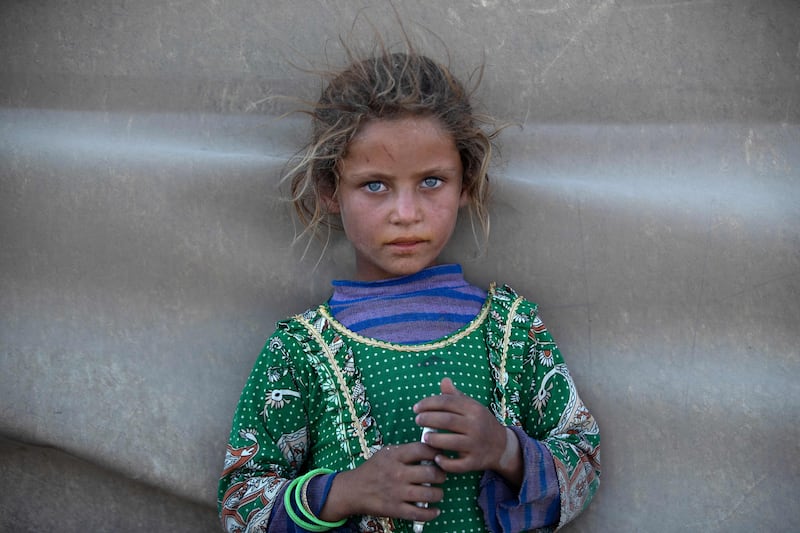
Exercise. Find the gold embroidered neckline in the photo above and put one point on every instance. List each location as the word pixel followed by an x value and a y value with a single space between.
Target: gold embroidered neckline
pixel 474 324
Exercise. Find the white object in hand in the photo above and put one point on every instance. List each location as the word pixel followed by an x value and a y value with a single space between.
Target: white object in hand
pixel 417 524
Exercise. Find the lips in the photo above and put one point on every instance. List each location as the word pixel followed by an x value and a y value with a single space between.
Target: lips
pixel 405 243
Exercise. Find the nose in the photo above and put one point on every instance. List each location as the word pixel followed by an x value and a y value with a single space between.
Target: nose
pixel 406 208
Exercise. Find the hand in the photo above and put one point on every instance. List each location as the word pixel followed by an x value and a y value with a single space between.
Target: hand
pixel 388 484
pixel 479 441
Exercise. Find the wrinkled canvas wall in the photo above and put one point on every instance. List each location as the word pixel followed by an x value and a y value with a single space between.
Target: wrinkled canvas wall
pixel 649 201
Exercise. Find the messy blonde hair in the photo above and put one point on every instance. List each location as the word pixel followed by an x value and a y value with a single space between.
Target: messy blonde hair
pixel 388 85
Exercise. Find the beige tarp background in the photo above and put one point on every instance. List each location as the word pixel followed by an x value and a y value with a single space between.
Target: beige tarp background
pixel 649 201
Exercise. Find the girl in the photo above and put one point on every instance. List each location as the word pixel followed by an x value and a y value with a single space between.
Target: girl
pixel 328 433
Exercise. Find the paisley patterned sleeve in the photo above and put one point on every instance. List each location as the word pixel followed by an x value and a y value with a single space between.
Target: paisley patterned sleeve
pixel 268 441
pixel 554 414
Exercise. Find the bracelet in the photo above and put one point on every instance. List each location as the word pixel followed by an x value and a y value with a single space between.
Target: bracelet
pixel 297 490
pixel 305 508
pixel 287 503
pixel 304 525
pixel 300 495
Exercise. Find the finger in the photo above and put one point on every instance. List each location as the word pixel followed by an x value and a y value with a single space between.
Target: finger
pixel 448 387
pixel 411 453
pixel 423 494
pixel 415 513
pixel 456 403
pixel 441 421
pixel 452 442
pixel 427 473
pixel 455 465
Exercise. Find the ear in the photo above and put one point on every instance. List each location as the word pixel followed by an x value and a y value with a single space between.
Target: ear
pixel 463 200
pixel 330 202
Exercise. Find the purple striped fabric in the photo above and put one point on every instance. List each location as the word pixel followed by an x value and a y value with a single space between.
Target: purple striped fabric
pixel 537 502
pixel 412 309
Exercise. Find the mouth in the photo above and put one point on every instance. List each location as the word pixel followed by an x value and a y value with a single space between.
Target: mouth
pixel 405 243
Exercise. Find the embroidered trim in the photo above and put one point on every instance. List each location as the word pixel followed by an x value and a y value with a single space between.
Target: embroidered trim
pixel 472 326
pixel 512 312
pixel 362 440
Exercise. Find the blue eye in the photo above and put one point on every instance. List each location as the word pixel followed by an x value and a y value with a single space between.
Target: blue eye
pixel 431 182
pixel 374 186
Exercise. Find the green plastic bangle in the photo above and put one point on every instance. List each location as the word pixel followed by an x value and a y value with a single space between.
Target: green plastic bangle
pixel 296 486
pixel 287 503
pixel 305 525
pixel 302 506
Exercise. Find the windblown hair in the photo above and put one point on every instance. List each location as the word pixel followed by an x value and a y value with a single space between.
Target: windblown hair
pixel 388 86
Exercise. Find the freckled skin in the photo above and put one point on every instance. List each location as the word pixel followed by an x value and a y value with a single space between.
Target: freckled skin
pixel 399 193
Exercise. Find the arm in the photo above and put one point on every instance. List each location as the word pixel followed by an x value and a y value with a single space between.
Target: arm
pixel 267 446
pixel 555 415
pixel 318 491
pixel 559 445
pixel 532 503
pixel 270 445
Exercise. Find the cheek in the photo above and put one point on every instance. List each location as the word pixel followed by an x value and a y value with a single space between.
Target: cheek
pixel 446 215
pixel 357 218
pixel 355 209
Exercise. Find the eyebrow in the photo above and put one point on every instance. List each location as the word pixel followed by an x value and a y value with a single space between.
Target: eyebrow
pixel 380 175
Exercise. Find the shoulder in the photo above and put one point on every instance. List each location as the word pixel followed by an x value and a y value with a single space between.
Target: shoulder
pixel 293 333
pixel 299 321
pixel 525 316
pixel 506 297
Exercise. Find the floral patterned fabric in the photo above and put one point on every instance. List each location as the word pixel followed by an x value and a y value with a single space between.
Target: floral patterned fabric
pixel 322 396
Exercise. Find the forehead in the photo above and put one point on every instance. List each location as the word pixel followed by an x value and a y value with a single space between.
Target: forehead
pixel 408 129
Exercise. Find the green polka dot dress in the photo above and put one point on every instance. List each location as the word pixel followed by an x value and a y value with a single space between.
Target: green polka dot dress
pixel 321 395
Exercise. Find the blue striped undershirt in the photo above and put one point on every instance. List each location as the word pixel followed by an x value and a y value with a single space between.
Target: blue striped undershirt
pixel 412 309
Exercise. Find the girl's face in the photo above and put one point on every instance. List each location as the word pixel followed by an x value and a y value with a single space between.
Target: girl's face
pixel 399 194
